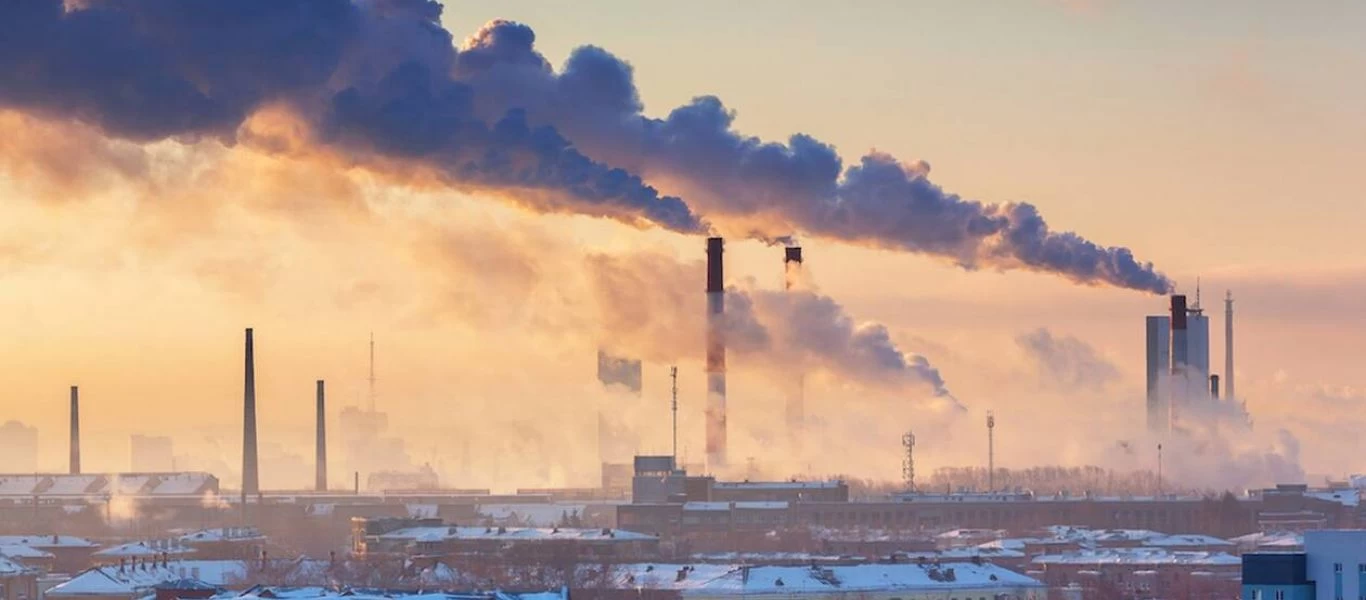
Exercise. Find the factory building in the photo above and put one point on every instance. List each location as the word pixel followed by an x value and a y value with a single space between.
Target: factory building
pixel 1178 367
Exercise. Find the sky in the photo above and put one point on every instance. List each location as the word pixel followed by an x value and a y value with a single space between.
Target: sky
pixel 1218 140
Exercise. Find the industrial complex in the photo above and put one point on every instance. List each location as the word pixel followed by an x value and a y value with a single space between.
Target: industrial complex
pixel 658 527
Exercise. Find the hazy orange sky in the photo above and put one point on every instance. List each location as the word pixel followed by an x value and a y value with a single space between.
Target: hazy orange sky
pixel 1219 140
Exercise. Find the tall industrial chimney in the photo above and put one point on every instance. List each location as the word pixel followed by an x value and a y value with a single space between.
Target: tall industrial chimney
pixel 1180 368
pixel 320 458
pixel 75 431
pixel 716 356
pixel 1228 346
pixel 1180 341
pixel 251 482
pixel 796 400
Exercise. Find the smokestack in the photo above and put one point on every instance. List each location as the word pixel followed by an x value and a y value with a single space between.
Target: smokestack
pixel 716 356
pixel 796 400
pixel 251 483
pixel 1180 344
pixel 1214 386
pixel 75 431
pixel 320 460
pixel 1228 346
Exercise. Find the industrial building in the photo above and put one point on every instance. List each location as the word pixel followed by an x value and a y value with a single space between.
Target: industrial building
pixel 907 581
pixel 1178 361
pixel 434 540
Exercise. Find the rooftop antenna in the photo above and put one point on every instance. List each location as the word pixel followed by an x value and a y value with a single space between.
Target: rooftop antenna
pixel 372 371
pixel 673 375
pixel 1197 294
pixel 908 462
pixel 991 452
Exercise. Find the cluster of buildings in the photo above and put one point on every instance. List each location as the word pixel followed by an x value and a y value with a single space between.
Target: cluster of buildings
pixel 1179 379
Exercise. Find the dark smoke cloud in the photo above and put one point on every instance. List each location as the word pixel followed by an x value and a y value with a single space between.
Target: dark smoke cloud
pixel 375 76
pixel 798 185
pixel 381 78
pixel 1067 362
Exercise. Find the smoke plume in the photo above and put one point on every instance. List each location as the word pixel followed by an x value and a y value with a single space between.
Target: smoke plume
pixel 380 83
pixel 1067 362
pixel 646 305
pixel 370 78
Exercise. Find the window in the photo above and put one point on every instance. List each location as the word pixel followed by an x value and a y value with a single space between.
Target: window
pixel 1280 594
pixel 1361 568
pixel 1337 567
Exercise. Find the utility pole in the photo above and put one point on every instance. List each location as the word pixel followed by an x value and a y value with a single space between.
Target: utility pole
pixel 1159 470
pixel 372 371
pixel 673 375
pixel 991 452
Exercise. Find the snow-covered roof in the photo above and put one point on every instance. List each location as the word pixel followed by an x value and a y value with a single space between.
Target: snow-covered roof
pixel 113 580
pixel 23 551
pixel 1139 556
pixel 764 557
pixel 321 593
pixel 711 580
pixel 960 534
pixel 534 514
pixel 1350 497
pixel 221 534
pixel 1185 540
pixel 966 553
pixel 868 535
pixel 776 485
pixel 1274 539
pixel 47 541
pixel 97 484
pixel 10 567
pixel 432 534
pixel 148 548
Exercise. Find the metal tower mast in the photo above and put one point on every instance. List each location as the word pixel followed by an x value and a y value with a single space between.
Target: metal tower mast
pixel 673 375
pixel 908 463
